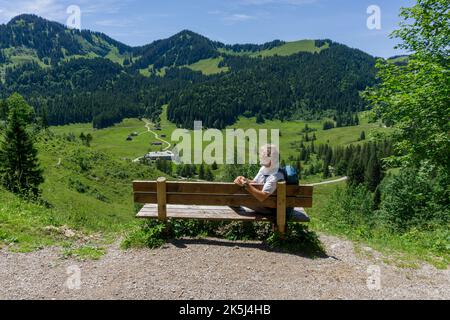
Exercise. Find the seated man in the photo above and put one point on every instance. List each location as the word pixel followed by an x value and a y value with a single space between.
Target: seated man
pixel 268 175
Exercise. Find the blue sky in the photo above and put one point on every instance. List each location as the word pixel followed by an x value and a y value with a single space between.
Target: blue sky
pixel 138 22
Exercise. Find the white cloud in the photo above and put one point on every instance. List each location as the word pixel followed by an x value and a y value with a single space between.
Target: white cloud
pixel 50 9
pixel 56 9
pixel 114 23
pixel 238 17
pixel 104 6
pixel 291 2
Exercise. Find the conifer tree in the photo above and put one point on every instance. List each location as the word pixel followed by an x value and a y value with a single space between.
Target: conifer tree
pixel 355 172
pixel 326 169
pixel 3 110
pixel 19 165
pixel 88 139
pixel 201 172
pixel 362 136
pixel 209 176
pixel 373 174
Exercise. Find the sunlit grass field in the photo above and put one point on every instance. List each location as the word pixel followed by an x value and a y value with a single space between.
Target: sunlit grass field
pixel 113 139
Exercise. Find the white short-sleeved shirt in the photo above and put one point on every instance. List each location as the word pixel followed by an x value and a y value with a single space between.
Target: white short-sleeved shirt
pixel 269 177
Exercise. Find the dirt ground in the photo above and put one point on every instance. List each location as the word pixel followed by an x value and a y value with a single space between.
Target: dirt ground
pixel 217 269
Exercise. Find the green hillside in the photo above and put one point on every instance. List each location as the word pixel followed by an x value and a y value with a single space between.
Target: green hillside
pixel 211 65
pixel 84 76
pixel 113 140
pixel 86 190
pixel 294 47
pixel 208 66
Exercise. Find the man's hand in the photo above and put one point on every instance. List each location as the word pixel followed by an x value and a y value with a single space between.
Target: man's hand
pixel 240 181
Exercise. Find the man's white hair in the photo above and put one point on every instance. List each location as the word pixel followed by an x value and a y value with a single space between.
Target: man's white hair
pixel 269 152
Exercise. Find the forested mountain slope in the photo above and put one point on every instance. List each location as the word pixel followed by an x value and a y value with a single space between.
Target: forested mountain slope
pixel 82 76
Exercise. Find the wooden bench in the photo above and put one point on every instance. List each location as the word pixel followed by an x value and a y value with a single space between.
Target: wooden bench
pixel 218 201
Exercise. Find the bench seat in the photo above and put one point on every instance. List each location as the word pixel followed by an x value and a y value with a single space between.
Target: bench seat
pixel 175 211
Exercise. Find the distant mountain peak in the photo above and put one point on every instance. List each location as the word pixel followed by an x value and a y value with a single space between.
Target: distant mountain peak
pixel 28 17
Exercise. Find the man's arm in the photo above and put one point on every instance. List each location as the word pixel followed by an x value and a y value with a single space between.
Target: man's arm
pixel 258 194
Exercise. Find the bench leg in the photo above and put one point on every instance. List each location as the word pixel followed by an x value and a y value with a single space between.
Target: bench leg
pixel 161 198
pixel 281 208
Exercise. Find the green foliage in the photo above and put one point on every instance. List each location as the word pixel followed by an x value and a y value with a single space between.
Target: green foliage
pixel 53 41
pixel 85 252
pixel 86 139
pixel 415 98
pixel 243 231
pixel 407 220
pixel 201 172
pixel 355 172
pixel 164 166
pixel 22 223
pixel 254 87
pixel 425 29
pixel 415 198
pixel 298 238
pixel 153 233
pixel 362 136
pixel 260 118
pixel 4 110
pixel 19 166
pixel 349 210
pixel 85 189
pixel 190 228
pixel 187 170
pixel 327 125
pixel 374 172
pixel 184 48
pixel 231 171
pixel 209 176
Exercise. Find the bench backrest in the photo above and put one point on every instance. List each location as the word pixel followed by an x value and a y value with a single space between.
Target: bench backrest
pixel 217 193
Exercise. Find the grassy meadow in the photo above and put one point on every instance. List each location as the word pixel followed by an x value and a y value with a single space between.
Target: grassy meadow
pixel 87 190
pixel 113 139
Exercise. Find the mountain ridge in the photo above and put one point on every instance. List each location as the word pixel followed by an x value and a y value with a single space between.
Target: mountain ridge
pixel 81 76
pixel 72 43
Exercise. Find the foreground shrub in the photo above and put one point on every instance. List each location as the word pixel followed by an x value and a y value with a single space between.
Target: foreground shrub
pixel 349 211
pixel 151 234
pixel 412 216
pixel 415 198
pixel 297 239
pixel 154 234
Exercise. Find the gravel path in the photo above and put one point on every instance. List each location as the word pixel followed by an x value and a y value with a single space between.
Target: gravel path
pixel 329 181
pixel 217 269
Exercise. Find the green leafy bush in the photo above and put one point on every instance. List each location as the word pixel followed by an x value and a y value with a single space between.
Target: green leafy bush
pixel 413 214
pixel 297 239
pixel 153 234
pixel 350 210
pixel 415 198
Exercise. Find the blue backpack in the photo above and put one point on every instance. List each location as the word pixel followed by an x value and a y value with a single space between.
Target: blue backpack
pixel 291 177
